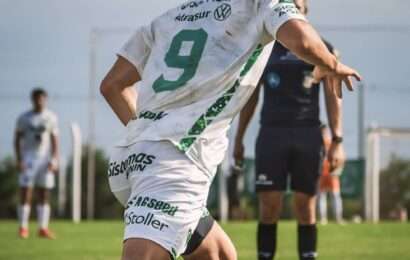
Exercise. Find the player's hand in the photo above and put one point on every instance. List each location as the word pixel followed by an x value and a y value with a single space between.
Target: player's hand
pixel 342 74
pixel 238 152
pixel 53 166
pixel 336 156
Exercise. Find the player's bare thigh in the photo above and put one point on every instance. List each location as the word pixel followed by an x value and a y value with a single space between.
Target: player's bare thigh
pixel 216 246
pixel 143 249
pixel 26 194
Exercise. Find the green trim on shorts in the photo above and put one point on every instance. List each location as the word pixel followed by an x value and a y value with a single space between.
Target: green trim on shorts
pixel 174 254
pixel 218 106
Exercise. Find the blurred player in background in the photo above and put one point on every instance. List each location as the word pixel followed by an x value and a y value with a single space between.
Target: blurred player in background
pixel 289 148
pixel 329 183
pixel 36 148
pixel 196 65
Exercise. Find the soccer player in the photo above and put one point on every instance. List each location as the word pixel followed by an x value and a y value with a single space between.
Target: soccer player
pixel 289 148
pixel 195 66
pixel 329 182
pixel 36 148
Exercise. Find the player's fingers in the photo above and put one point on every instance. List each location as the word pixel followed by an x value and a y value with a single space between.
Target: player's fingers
pixel 348 82
pixel 357 76
pixel 337 87
pixel 316 76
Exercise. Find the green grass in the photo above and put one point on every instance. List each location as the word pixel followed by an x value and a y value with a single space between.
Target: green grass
pixel 102 241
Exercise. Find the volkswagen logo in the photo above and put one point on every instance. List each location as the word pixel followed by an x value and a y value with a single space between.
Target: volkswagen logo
pixel 222 12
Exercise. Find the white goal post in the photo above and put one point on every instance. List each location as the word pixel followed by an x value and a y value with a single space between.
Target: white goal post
pixel 372 179
pixel 76 172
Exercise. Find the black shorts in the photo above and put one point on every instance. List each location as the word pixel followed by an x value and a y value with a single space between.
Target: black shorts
pixel 286 155
pixel 202 229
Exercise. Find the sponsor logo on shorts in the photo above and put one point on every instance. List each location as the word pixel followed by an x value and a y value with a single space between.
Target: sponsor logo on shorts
pixel 263 180
pixel 151 203
pixel 134 163
pixel 131 218
pixel 222 12
pixel 152 115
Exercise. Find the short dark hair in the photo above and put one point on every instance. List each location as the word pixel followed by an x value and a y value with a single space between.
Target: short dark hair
pixel 37 92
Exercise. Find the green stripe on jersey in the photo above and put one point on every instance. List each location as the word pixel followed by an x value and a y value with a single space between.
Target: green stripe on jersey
pixel 217 107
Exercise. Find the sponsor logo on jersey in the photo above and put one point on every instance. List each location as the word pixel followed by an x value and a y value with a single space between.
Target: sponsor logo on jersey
pixel 151 203
pixel 152 115
pixel 131 218
pixel 134 163
pixel 195 4
pixel 222 12
pixel 192 17
pixel 38 131
pixel 286 9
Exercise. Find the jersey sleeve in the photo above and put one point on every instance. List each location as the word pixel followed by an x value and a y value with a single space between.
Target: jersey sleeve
pixel 138 48
pixel 278 13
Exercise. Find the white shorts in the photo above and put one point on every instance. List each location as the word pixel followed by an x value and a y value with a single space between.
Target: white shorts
pixel 36 174
pixel 164 193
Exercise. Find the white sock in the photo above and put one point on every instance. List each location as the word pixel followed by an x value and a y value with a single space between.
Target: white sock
pixel 337 206
pixel 23 215
pixel 43 215
pixel 323 206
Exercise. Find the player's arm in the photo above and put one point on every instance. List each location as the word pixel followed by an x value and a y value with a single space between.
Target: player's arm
pixel 117 85
pixel 54 145
pixel 303 40
pixel 117 89
pixel 17 149
pixel 284 23
pixel 244 118
pixel 336 154
pixel 53 164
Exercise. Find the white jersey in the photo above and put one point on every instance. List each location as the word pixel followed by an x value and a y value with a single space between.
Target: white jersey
pixel 197 64
pixel 36 129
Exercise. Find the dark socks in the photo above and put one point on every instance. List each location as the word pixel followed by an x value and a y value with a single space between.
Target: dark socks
pixel 307 242
pixel 266 241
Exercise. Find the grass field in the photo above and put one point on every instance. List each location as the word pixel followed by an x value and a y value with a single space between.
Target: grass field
pixel 102 241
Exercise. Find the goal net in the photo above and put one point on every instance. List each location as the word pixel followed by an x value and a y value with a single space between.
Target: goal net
pixel 387 181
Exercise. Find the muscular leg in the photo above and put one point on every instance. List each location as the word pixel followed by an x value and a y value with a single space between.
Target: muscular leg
pixel 304 208
pixel 43 208
pixel 216 246
pixel 24 207
pixel 270 207
pixel 142 249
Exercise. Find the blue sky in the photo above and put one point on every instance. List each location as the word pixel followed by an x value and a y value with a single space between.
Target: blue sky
pixel 46 42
